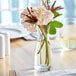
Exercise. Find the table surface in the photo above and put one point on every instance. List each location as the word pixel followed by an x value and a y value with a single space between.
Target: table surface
pixel 22 58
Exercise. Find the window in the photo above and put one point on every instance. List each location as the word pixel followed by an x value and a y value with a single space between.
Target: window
pixel 10 10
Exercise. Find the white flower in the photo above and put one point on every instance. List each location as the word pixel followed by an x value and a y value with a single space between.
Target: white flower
pixel 44 17
pixel 36 16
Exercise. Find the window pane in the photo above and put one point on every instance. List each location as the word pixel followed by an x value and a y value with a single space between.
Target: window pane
pixel 0 18
pixel 15 17
pixel 69 8
pixel 34 2
pixel 23 4
pixel 4 4
pixel 14 3
pixel 20 15
pixel 6 17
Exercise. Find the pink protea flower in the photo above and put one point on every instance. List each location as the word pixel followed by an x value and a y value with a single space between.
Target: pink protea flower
pixel 38 16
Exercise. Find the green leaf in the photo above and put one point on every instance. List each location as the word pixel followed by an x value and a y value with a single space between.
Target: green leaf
pixel 57 24
pixel 53 25
pixel 52 29
pixel 48 1
pixel 56 14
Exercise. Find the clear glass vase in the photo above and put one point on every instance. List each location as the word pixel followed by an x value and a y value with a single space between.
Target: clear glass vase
pixel 42 60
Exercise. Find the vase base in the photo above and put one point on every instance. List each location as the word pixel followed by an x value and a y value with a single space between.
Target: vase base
pixel 42 68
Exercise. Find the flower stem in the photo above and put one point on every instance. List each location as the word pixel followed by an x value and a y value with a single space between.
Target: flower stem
pixel 44 42
pixel 40 58
pixel 41 45
pixel 47 61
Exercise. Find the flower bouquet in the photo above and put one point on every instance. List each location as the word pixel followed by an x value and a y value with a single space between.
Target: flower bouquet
pixel 42 19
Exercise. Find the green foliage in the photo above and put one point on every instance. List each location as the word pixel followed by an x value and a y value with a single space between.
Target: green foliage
pixel 53 25
pixel 47 2
pixel 52 29
pixel 56 14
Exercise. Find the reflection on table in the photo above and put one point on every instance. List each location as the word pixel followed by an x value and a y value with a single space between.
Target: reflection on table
pixel 22 58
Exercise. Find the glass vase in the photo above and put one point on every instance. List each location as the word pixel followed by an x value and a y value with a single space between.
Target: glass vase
pixel 42 60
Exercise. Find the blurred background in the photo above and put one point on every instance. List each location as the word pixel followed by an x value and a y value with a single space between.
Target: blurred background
pixel 10 10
